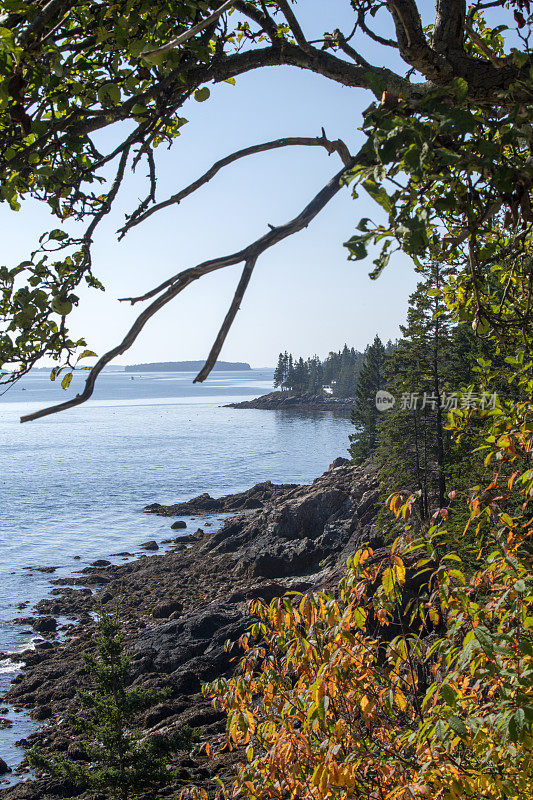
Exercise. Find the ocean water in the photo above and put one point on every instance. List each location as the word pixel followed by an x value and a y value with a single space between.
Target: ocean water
pixel 74 484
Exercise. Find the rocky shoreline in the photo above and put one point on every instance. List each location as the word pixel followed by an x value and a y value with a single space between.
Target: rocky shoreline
pixel 179 608
pixel 275 401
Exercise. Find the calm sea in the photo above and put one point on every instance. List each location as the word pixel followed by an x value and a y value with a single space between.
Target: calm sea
pixel 74 484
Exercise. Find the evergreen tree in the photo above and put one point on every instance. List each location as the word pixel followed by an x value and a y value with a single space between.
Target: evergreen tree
pixel 365 413
pixel 290 378
pixel 301 376
pixel 120 763
pixel 314 384
pixel 414 446
pixel 279 372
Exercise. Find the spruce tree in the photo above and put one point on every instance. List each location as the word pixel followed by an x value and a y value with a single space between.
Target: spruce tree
pixel 120 761
pixel 279 372
pixel 290 378
pixel 365 413
pixel 414 447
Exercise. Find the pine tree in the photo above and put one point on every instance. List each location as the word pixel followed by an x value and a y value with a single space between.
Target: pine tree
pixel 414 446
pixel 120 763
pixel 301 376
pixel 279 372
pixel 365 413
pixel 290 378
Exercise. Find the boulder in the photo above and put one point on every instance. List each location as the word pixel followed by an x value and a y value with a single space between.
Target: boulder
pixel 176 526
pixel 4 769
pixel 45 624
pixel 151 545
pixel 164 610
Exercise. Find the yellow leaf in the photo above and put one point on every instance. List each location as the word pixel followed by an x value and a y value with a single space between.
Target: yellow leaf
pixel 400 570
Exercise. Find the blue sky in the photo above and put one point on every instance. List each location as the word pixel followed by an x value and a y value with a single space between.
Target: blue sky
pixel 305 295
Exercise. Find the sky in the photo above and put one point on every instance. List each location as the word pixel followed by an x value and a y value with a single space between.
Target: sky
pixel 305 296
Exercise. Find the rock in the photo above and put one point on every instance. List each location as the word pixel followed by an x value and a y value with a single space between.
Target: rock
pixel 338 462
pixel 178 524
pixel 41 712
pixel 4 769
pixel 253 498
pixel 44 646
pixel 5 723
pixel 152 545
pixel 307 401
pixel 45 624
pixel 164 610
pixel 101 562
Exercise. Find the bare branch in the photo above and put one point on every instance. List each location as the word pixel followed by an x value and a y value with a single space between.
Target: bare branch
pixel 349 50
pixel 249 255
pixel 361 22
pixel 228 321
pixel 294 25
pixel 184 37
pixel 331 146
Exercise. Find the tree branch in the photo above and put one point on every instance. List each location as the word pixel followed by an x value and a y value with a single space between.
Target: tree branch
pixel 50 10
pixel 183 279
pixel 184 37
pixel 361 22
pixel 294 25
pixel 448 34
pixel 321 141
pixel 495 60
pixel 228 320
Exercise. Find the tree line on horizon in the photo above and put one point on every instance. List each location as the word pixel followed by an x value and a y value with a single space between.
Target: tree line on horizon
pixel 338 372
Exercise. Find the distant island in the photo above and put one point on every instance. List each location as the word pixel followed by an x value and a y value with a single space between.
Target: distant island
pixel 186 366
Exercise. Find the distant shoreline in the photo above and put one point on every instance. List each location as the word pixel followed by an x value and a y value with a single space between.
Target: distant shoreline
pixel 188 366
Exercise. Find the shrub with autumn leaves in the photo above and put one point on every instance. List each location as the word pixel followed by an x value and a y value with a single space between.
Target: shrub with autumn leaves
pixel 415 678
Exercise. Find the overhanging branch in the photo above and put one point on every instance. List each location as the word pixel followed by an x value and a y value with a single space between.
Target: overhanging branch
pixel 179 282
pixel 228 321
pixel 337 146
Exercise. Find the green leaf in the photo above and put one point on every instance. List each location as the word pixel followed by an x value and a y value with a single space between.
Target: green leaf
pixel 87 354
pixel 65 383
pixel 378 194
pixel 460 87
pixel 448 695
pixel 516 724
pixel 457 725
pixel 357 247
pixel 110 92
pixel 376 83
pixel 484 638
pixel 440 730
pixel 202 94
